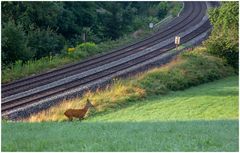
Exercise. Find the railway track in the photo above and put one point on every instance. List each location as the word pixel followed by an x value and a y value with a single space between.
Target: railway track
pixel 191 15
pixel 28 83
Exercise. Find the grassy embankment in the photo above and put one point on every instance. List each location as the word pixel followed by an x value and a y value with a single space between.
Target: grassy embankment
pixel 202 118
pixel 189 69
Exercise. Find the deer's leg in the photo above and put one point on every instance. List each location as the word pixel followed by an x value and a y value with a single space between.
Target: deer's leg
pixel 70 118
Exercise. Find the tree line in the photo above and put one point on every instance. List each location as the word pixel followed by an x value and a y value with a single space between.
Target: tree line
pixel 32 30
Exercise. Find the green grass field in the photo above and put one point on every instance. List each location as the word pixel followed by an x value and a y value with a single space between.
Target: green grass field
pixel 213 101
pixel 202 118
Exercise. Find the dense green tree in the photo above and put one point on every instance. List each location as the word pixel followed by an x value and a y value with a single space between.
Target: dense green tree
pixel 224 39
pixel 14 43
pixel 117 19
pixel 163 9
pixel 226 16
pixel 43 14
pixel 45 42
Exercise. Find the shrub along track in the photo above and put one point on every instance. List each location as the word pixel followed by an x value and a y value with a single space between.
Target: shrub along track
pixel 27 91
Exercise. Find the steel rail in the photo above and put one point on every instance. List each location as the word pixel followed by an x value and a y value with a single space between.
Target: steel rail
pixel 71 72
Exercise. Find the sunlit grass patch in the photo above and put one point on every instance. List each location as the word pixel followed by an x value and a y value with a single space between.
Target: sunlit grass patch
pixel 117 94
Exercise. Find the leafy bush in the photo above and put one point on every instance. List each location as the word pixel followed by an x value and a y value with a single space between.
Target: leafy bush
pixel 88 46
pixel 224 44
pixel 224 39
pixel 190 69
pixel 84 50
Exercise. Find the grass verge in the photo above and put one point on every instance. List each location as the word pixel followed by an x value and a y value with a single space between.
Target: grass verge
pixel 202 118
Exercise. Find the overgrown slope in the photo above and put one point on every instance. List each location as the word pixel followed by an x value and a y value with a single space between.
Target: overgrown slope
pixel 189 69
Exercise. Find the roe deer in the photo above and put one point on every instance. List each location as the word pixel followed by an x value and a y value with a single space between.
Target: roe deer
pixel 78 113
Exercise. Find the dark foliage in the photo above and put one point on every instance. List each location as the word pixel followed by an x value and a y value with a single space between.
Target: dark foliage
pixel 32 30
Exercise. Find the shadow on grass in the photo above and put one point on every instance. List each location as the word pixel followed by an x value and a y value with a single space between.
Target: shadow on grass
pixel 222 87
pixel 219 135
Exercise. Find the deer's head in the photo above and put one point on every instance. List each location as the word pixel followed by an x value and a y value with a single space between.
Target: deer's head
pixel 89 104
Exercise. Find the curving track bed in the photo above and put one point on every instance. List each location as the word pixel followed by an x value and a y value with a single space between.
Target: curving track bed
pixel 22 97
